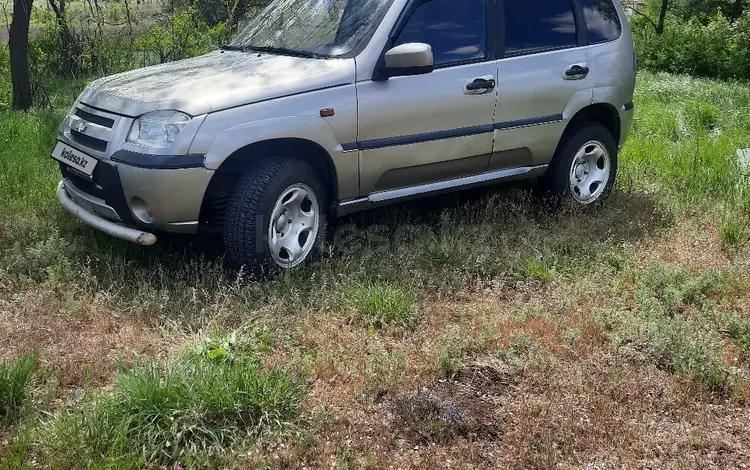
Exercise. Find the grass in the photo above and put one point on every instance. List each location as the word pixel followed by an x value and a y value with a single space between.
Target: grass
pixel 578 335
pixel 16 376
pixel 380 305
pixel 197 408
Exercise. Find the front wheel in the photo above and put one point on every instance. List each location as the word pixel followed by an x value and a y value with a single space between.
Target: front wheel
pixel 584 168
pixel 276 216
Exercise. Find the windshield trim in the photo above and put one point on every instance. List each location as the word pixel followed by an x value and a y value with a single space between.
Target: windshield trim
pixel 358 47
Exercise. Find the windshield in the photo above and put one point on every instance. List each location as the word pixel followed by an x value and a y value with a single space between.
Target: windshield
pixel 327 28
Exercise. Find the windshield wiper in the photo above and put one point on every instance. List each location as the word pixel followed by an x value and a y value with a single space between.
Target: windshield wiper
pixel 285 51
pixel 233 47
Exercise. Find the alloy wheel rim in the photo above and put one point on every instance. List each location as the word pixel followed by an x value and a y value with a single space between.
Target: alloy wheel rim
pixel 589 172
pixel 293 226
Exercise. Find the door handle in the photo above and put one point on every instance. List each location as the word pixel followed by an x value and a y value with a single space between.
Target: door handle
pixel 576 72
pixel 480 86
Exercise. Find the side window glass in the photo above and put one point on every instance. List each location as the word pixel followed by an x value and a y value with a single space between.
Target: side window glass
pixel 602 20
pixel 538 25
pixel 456 30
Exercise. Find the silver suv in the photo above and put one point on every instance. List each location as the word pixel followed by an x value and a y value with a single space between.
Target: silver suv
pixel 326 107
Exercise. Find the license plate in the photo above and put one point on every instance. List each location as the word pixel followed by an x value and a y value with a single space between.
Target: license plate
pixel 72 157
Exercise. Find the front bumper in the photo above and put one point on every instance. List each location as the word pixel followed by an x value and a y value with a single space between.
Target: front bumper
pixel 121 197
pixel 100 223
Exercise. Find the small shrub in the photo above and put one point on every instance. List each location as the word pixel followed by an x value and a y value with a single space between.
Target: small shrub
pixel 193 409
pixel 426 418
pixel 669 327
pixel 672 291
pixel 733 232
pixel 381 304
pixel 16 376
pixel 232 348
pixel 534 269
pixel 382 369
pixel 519 351
pixel 738 330
pixel 702 117
pixel 450 357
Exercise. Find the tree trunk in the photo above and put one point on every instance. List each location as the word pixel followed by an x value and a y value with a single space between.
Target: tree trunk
pixel 69 45
pixel 18 43
pixel 737 8
pixel 662 16
pixel 239 9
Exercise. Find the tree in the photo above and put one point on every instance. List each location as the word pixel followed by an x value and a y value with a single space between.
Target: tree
pixel 18 44
pixel 705 10
pixel 70 46
pixel 658 26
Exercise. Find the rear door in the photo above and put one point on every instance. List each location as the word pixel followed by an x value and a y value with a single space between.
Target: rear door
pixel 544 65
pixel 425 128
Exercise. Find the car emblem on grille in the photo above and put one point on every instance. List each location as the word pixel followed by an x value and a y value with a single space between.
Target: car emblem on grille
pixel 80 126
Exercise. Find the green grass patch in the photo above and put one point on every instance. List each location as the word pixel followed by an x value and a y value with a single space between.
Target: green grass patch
pixel 16 378
pixel 535 269
pixel 379 305
pixel 195 409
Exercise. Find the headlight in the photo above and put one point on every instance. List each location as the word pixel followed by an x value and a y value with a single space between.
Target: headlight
pixel 158 129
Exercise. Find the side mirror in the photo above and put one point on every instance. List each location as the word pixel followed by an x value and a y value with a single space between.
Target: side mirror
pixel 414 58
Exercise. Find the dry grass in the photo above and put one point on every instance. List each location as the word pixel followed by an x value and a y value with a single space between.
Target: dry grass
pixel 80 343
pixel 489 334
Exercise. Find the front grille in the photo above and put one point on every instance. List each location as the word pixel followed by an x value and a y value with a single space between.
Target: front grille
pixel 88 141
pixel 84 184
pixel 101 120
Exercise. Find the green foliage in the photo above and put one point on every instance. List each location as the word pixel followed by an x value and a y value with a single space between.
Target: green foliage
pixel 450 356
pixel 6 90
pixel 187 35
pixel 695 127
pixel 738 329
pixel 535 269
pixel 670 291
pixel 669 327
pixel 379 305
pixel 717 48
pixel 232 348
pixel 16 376
pixel 704 10
pixel 733 230
pixel 26 139
pixel 193 409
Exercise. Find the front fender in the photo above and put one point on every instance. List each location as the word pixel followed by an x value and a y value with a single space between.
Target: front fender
pixel 310 128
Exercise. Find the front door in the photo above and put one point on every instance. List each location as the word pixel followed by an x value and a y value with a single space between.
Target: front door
pixel 421 129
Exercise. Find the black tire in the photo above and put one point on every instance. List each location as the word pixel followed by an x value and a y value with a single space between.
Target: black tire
pixel 249 211
pixel 555 184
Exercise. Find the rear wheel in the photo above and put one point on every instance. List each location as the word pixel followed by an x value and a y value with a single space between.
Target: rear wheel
pixel 584 167
pixel 276 216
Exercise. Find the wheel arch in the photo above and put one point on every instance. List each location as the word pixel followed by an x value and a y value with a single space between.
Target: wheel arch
pixel 225 178
pixel 601 113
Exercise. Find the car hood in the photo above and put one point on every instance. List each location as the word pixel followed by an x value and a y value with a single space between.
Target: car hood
pixel 215 81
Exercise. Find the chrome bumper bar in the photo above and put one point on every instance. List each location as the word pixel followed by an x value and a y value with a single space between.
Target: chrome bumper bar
pixel 110 228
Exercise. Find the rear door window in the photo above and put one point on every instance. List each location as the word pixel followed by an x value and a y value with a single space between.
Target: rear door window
pixel 602 20
pixel 538 25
